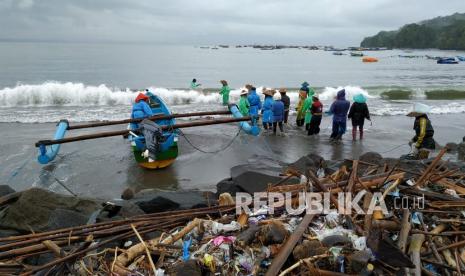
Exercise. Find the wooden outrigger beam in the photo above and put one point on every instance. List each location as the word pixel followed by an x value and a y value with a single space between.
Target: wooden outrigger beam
pixel 152 118
pixel 124 132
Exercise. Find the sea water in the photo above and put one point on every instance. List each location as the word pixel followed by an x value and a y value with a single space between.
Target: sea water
pixel 42 83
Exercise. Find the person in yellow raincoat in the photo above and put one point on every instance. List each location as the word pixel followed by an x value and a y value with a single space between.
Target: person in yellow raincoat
pixel 307 107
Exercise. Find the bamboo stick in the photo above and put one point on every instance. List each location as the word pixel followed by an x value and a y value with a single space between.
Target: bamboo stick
pixel 125 132
pixel 152 118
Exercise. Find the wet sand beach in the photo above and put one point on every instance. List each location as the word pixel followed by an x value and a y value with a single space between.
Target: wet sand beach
pixel 105 167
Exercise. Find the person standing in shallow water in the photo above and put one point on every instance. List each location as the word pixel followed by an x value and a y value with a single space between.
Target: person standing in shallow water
pixel 287 103
pixel 194 84
pixel 300 119
pixel 254 102
pixel 278 113
pixel 423 142
pixel 307 108
pixel 225 92
pixel 358 113
pixel 339 109
pixel 244 104
pixel 267 114
pixel 317 114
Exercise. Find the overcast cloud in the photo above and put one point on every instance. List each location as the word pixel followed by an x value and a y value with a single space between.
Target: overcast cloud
pixel 337 22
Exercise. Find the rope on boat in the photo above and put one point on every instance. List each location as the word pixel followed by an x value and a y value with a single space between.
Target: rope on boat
pixel 210 152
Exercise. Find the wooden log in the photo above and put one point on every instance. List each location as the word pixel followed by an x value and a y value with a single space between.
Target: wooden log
pixel 368 217
pixel 138 249
pixel 414 251
pixel 421 181
pixel 386 225
pixel 57 251
pixel 450 185
pixel 125 132
pixel 288 246
pixel 404 230
pixel 353 177
pixel 152 118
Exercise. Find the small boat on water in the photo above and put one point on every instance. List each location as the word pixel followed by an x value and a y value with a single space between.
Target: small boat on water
pixel 461 58
pixel 447 61
pixel 356 54
pixel 153 141
pixel 369 59
pixel 338 53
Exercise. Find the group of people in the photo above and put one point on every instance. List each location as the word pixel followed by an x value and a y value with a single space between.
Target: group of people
pixel 275 113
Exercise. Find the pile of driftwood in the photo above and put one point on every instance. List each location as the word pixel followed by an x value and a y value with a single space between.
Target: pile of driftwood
pixel 424 235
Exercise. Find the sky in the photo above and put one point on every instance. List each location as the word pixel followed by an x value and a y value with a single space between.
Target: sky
pixel 208 22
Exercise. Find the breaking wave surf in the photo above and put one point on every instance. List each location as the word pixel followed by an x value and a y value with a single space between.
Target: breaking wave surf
pixel 52 101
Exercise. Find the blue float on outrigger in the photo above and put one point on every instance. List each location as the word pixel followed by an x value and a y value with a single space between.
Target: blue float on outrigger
pixel 154 142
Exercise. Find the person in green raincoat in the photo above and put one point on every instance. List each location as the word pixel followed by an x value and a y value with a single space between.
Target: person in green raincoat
pixel 300 119
pixel 307 107
pixel 244 104
pixel 225 92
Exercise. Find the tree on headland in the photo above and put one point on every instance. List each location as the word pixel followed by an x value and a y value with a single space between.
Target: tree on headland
pixel 442 32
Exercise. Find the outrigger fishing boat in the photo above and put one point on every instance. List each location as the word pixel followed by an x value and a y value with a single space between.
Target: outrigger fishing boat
pixel 153 140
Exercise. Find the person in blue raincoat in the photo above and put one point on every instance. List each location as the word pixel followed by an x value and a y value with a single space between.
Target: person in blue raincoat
pixel 267 114
pixel 278 113
pixel 254 101
pixel 339 110
pixel 140 109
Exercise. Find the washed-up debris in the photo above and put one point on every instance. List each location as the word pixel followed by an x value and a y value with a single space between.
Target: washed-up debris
pixel 421 231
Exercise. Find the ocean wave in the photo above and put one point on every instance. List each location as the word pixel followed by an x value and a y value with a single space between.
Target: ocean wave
pixel 393 110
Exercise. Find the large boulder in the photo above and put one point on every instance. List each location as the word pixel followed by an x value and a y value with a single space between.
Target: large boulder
pixel 36 208
pixel 153 201
pixel 227 185
pixel 63 218
pixel 257 174
pixel 372 158
pixel 308 162
pixel 5 190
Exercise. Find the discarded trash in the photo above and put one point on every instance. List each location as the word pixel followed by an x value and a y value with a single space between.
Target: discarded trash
pixel 422 230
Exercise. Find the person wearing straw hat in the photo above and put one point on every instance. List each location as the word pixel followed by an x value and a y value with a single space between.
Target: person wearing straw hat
pixel 278 113
pixel 423 142
pixel 267 114
pixel 244 103
pixel 287 103
pixel 225 92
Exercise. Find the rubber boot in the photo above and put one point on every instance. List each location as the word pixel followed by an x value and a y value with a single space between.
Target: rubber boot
pixel 361 133
pixel 354 134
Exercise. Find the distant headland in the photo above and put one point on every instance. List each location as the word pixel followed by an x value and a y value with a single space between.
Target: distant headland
pixel 446 33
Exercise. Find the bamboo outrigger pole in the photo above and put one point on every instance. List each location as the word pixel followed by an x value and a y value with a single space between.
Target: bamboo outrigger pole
pixel 124 132
pixel 152 118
